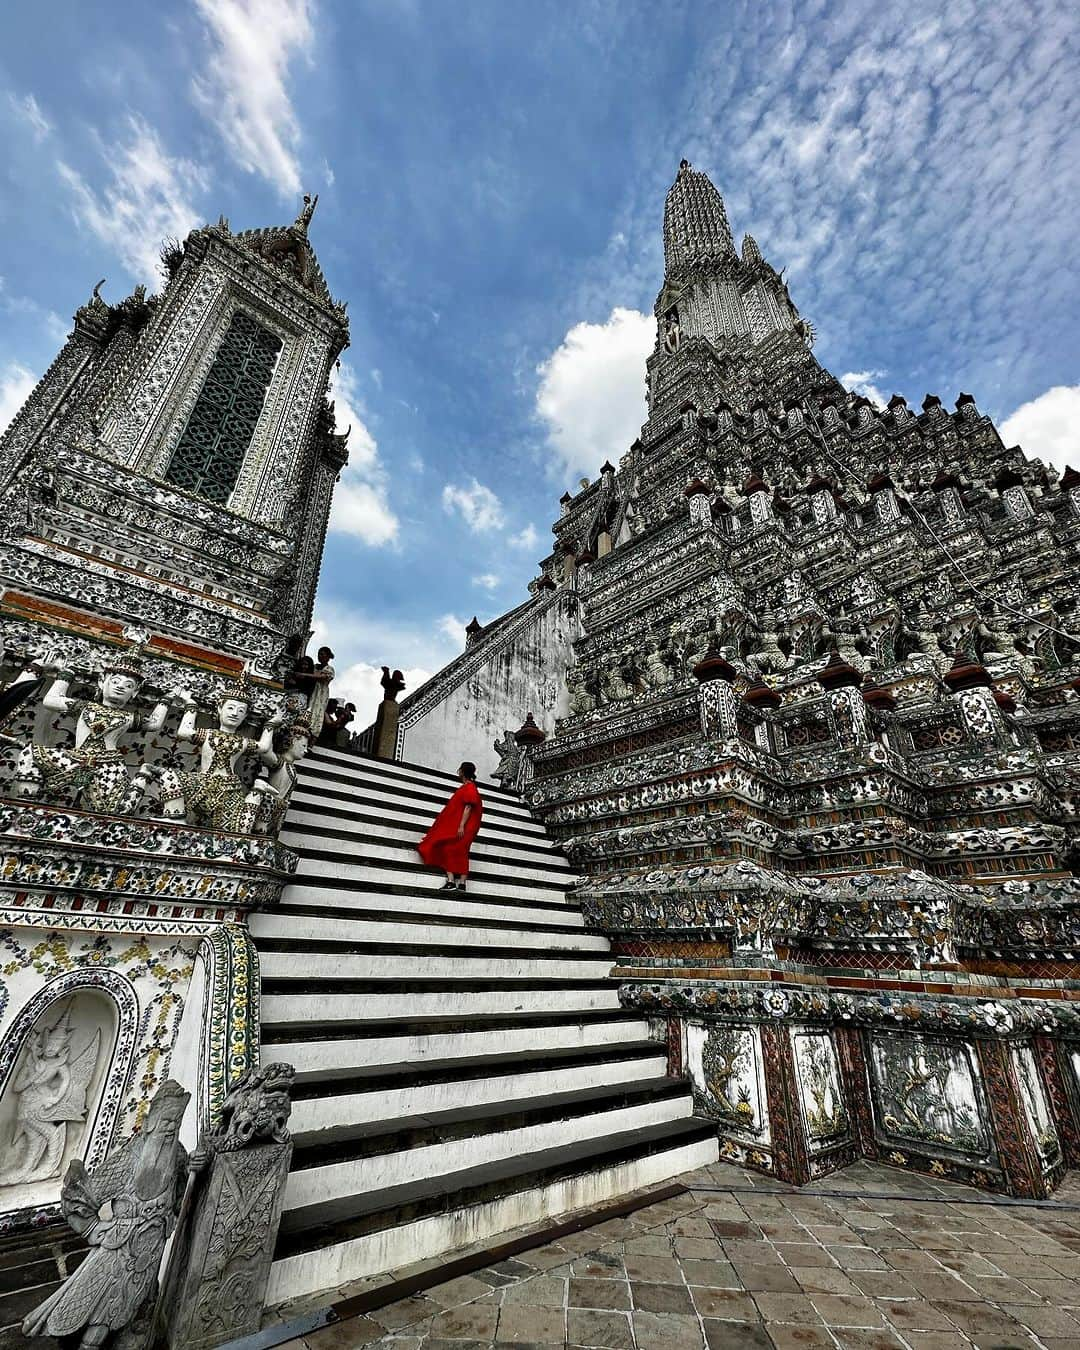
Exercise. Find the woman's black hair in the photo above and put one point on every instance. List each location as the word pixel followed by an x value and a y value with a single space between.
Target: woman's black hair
pixel 468 768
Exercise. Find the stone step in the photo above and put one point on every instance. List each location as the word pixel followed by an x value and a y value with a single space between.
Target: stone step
pixel 466 936
pixel 338 1047
pixel 464 1065
pixel 416 808
pixel 357 1000
pixel 340 867
pixel 385 1092
pixel 401 771
pixel 395 821
pixel 374 848
pixel 347 1162
pixel 362 907
pixel 321 1246
pixel 377 840
pixel 281 969
pixel 429 884
pixel 432 902
pixel 419 795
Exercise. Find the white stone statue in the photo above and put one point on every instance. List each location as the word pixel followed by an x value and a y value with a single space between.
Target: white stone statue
pixel 94 767
pixel 281 759
pixel 50 1088
pixel 215 794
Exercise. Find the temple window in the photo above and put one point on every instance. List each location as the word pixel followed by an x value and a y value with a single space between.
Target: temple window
pixel 207 460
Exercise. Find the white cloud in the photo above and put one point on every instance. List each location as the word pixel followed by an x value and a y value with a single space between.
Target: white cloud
pixel 29 110
pixel 524 539
pixel 1048 426
pixel 148 199
pixel 244 93
pixel 487 580
pixel 16 385
pixel 361 506
pixel 477 505
pixel 591 395
pixel 453 629
pixel 861 381
pixel 361 509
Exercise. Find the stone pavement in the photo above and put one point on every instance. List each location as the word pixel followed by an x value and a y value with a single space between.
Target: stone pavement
pixel 871 1258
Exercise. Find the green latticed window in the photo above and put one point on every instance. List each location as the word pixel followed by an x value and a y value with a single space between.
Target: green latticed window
pixel 208 458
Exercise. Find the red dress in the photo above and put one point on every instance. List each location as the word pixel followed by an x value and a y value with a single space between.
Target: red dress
pixel 441 847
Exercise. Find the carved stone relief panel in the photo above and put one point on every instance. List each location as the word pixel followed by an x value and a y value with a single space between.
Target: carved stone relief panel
pixel 823 1106
pixel 145 978
pixel 927 1094
pixel 1036 1107
pixel 726 1069
pixel 52 1094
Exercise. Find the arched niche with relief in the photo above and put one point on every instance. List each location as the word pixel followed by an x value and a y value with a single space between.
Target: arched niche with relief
pixel 52 1093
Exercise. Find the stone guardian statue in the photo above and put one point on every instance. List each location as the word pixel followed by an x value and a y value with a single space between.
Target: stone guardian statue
pixel 126 1210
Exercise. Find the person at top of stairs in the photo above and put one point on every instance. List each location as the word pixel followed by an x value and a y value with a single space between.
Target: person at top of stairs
pixel 447 843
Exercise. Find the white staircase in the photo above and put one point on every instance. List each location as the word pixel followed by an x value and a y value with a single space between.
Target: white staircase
pixel 463 1065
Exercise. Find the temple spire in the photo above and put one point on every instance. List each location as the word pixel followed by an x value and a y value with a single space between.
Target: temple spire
pixel 696 226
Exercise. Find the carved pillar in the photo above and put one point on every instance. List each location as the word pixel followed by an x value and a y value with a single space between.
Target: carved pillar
pixel 1016 1148
pixel 823 505
pixel 981 715
pixel 1057 1072
pixel 885 501
pixel 697 494
pixel 973 690
pixel 717 700
pixel 527 737
pixel 856 1081
pixel 850 722
pixel 218 1268
pixel 761 512
pixel 1017 503
pixel 785 1117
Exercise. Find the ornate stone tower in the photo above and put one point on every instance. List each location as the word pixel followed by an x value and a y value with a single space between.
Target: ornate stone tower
pixel 165 492
pixel 821 766
pixel 174 466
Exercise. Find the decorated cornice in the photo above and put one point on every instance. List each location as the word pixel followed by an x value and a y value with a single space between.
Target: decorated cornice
pixel 74 868
pixel 976 1014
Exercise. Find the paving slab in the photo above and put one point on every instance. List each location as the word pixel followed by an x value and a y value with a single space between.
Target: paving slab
pixel 870 1258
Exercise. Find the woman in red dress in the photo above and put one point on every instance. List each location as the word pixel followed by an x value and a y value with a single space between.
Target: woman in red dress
pixel 446 844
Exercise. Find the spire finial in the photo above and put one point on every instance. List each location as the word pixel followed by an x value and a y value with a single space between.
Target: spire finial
pixel 696 228
pixel 303 220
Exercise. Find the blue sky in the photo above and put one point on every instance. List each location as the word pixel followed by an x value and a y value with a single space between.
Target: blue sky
pixel 491 180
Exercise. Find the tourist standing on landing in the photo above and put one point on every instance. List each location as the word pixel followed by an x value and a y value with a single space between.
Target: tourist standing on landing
pixel 447 843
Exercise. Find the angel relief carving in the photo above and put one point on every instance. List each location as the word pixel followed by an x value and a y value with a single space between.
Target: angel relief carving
pixel 49 1089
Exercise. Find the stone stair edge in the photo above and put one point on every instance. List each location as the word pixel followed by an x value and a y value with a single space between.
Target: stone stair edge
pixel 458 1123
pixel 381 1077
pixel 508 1176
pixel 389 765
